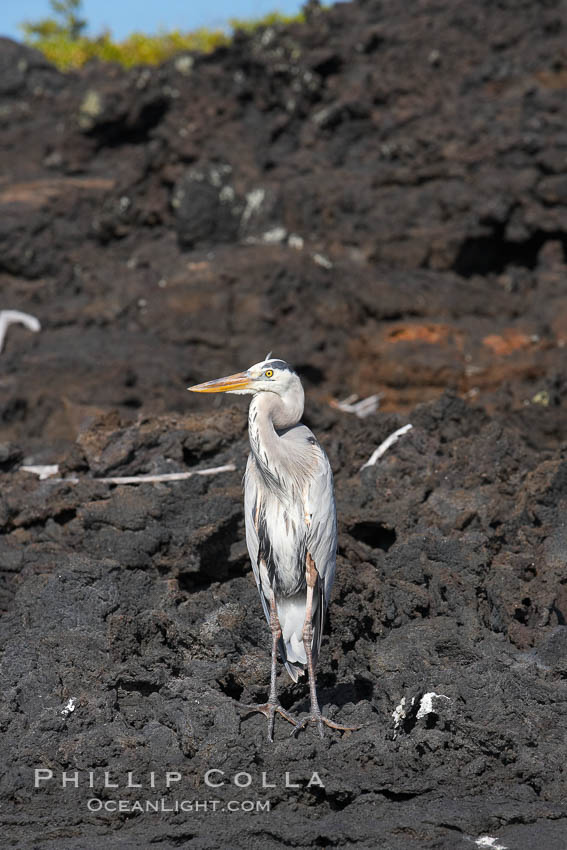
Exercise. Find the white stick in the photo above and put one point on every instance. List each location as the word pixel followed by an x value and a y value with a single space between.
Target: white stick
pixel 10 317
pixel 167 476
pixel 49 471
pixel 45 471
pixel 361 408
pixel 383 447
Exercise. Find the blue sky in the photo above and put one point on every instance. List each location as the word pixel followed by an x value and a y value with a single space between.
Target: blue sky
pixel 124 16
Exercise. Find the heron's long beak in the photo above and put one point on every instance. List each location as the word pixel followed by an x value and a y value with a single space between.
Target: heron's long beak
pixel 240 381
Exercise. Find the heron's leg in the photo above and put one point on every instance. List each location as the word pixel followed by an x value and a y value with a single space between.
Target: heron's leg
pixel 269 708
pixel 276 635
pixel 315 716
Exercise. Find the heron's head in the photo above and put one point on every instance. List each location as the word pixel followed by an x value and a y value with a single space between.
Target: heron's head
pixel 270 375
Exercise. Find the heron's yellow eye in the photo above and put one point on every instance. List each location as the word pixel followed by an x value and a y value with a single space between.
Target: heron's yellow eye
pixel 268 373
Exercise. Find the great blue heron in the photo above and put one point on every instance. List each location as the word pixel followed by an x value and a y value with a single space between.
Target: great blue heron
pixel 291 525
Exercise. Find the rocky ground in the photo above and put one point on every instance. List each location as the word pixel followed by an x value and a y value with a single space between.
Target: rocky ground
pixel 379 197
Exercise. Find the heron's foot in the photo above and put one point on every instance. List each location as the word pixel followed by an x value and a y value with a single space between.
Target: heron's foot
pixel 321 720
pixel 269 709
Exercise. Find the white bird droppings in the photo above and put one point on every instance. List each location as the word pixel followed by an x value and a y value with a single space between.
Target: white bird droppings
pixel 274 236
pixel 184 64
pixel 400 712
pixel 426 704
pixel 226 195
pixel 254 201
pixel 488 841
pixel 69 708
pixel 322 261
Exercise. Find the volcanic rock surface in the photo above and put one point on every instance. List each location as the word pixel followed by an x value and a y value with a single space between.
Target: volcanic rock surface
pixel 378 196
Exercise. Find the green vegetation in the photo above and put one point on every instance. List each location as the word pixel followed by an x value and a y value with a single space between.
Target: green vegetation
pixel 61 38
pixel 272 19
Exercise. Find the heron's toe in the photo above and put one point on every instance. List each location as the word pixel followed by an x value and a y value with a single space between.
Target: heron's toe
pixel 269 709
pixel 320 719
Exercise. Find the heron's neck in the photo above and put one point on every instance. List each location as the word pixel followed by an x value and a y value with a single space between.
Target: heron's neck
pixel 268 415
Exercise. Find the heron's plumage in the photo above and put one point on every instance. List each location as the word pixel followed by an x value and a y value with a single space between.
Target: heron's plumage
pixel 291 526
pixel 289 504
pixel 290 511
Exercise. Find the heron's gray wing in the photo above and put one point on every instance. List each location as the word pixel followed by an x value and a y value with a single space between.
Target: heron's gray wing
pixel 318 503
pixel 321 518
pixel 251 510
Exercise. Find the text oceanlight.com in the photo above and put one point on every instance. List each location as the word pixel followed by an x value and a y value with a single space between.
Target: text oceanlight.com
pixel 95 804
